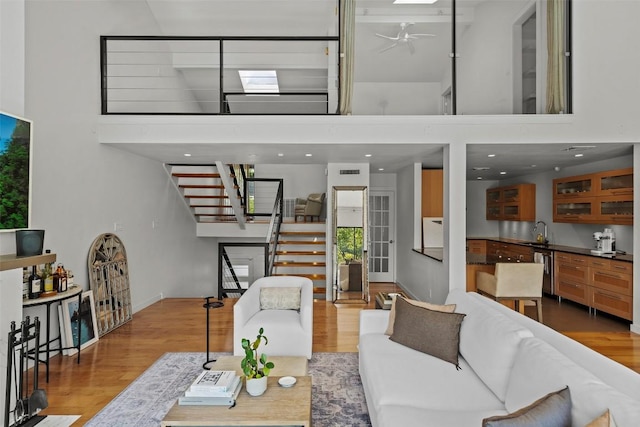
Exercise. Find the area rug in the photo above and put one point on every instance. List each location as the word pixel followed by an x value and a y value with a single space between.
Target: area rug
pixel 337 396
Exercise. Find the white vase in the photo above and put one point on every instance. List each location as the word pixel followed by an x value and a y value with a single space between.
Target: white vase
pixel 256 386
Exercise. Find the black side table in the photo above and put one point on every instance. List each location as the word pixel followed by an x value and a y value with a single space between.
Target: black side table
pixel 210 304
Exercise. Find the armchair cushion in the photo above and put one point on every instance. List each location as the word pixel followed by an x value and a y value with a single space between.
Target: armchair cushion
pixel 280 298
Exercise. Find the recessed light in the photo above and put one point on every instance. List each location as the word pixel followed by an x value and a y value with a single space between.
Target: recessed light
pixel 479 177
pixel 308 155
pixel 578 155
pixel 503 172
pixel 368 155
pixel 533 166
pixel 187 154
pixel 481 168
pixel 491 155
pixel 280 154
pixel 380 169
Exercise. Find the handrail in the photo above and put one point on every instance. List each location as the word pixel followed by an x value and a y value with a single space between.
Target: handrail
pixel 273 235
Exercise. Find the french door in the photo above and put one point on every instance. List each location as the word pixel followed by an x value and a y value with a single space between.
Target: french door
pixel 381 236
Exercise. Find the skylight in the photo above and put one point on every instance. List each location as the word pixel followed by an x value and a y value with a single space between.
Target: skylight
pixel 262 81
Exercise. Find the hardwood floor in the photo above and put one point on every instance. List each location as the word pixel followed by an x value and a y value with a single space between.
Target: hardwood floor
pixel 172 325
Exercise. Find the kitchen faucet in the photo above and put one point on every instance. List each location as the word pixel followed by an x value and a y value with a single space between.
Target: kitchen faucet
pixel 546 240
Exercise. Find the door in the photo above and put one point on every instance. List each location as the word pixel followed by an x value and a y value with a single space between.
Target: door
pixel 381 236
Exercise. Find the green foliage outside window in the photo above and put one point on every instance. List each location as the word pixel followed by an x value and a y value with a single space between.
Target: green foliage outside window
pixel 14 179
pixel 350 241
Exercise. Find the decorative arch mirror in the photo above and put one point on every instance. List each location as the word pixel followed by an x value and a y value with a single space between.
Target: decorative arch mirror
pixel 349 235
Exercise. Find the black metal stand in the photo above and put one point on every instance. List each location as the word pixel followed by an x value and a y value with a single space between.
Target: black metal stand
pixel 210 304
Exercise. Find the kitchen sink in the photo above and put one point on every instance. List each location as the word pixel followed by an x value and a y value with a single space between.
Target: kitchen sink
pixel 537 244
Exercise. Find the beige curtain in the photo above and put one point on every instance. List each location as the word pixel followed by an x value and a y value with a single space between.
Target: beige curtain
pixel 347 35
pixel 555 59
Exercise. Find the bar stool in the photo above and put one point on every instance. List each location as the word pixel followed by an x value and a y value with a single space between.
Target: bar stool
pixel 210 304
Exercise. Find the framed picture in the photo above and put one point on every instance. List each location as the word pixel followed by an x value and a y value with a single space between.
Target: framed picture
pixel 85 314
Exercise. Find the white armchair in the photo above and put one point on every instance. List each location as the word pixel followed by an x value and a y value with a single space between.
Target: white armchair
pixel 290 332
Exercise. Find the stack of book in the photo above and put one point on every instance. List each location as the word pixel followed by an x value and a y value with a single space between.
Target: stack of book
pixel 213 388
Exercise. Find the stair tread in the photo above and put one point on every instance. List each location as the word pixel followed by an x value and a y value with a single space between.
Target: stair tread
pixel 309 276
pixel 301 253
pixel 301 242
pixel 212 206
pixel 195 175
pixel 299 264
pixel 302 233
pixel 196 196
pixel 214 186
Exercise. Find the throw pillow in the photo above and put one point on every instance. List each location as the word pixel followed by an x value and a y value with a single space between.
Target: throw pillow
pixel 604 420
pixel 552 410
pixel 274 298
pixel 392 313
pixel 429 331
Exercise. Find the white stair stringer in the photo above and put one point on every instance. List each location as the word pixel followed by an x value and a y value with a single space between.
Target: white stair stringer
pixel 225 176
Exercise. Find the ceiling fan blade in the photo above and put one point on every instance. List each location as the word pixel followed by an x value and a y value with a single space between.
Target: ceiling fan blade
pixel 421 35
pixel 389 47
pixel 412 49
pixel 387 37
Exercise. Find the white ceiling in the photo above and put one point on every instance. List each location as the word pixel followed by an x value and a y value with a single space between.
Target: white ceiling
pixel 317 17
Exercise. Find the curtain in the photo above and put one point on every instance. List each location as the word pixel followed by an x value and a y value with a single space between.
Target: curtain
pixel 556 58
pixel 347 36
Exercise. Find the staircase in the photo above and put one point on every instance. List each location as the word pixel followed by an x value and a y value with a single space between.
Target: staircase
pixel 301 251
pixel 211 192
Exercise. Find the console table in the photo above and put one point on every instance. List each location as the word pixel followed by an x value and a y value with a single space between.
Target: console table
pixel 74 291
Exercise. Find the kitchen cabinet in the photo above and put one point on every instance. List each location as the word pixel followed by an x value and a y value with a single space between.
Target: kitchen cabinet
pixel 509 252
pixel 477 246
pixel 598 198
pixel 600 283
pixel 432 193
pixel 511 203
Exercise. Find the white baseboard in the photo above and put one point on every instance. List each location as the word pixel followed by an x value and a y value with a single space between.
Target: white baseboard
pixel 635 328
pixel 146 303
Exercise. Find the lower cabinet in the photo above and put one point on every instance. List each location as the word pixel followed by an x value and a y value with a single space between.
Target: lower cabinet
pixel 600 283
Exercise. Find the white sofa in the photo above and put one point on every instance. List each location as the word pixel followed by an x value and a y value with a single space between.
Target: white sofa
pixel 507 361
pixel 290 332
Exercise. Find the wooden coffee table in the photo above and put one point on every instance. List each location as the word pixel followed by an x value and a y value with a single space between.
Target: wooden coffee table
pixel 278 406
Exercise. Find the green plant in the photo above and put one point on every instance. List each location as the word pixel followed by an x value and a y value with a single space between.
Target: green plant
pixel 252 365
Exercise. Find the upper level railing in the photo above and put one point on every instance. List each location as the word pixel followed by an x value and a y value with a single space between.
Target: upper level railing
pixel 219 75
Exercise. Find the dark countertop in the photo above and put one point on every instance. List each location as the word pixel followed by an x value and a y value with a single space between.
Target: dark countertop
pixel 433 253
pixel 490 259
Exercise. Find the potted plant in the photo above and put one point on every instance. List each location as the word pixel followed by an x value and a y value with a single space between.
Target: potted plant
pixel 255 368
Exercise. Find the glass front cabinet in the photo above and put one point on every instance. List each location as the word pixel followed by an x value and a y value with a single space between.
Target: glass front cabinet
pixel 599 198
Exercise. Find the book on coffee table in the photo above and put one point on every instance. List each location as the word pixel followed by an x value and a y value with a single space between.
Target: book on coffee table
pixel 214 381
pixel 211 400
pixel 214 393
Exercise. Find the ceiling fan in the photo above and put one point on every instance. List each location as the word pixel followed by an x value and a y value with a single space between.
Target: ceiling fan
pixel 403 37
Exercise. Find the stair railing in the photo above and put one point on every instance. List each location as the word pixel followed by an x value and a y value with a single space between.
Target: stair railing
pixel 273 235
pixel 236 269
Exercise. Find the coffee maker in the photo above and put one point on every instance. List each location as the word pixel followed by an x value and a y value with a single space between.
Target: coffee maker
pixel 605 242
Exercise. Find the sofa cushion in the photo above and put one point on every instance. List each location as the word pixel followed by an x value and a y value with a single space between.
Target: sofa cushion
pixel 539 368
pixel 390 377
pixel 552 410
pixel 411 416
pixel 429 331
pixel 392 312
pixel 604 420
pixel 276 298
pixel 488 341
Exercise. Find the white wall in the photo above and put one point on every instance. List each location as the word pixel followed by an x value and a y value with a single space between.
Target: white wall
pixel 12 24
pixel 422 277
pixel 299 180
pixel 80 187
pixel 396 98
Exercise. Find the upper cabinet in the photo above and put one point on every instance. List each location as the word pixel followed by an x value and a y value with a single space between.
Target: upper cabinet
pixel 598 198
pixel 511 203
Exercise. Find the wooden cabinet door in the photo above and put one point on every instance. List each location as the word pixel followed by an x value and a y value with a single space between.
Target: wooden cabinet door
pixel 615 209
pixel 575 210
pixel 574 186
pixel 615 183
pixel 611 302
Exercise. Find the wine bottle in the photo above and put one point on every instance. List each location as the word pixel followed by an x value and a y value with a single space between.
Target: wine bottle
pixel 35 284
pixel 62 278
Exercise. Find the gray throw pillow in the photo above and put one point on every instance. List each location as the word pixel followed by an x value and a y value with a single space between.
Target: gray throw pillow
pixel 429 331
pixel 552 410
